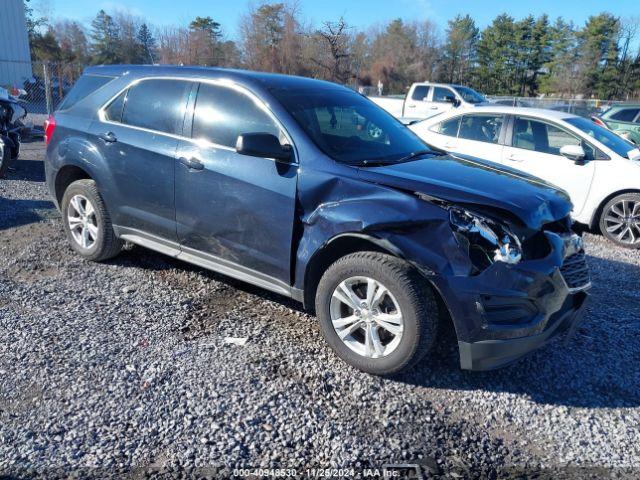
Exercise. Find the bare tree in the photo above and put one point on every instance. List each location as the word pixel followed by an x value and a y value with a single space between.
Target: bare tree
pixel 332 56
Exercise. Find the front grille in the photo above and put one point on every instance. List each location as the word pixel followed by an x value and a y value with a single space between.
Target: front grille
pixel 575 271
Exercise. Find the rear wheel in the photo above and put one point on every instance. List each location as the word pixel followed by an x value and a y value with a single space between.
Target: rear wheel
pixel 377 312
pixel 620 220
pixel 87 222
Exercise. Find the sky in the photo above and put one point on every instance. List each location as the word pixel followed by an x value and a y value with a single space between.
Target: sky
pixel 359 14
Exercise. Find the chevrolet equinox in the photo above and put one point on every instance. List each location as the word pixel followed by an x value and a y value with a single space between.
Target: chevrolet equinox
pixel 310 190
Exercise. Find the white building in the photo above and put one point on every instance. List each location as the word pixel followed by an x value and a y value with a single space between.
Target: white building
pixel 15 60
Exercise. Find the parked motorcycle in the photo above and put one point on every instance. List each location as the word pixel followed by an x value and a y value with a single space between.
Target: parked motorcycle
pixel 12 116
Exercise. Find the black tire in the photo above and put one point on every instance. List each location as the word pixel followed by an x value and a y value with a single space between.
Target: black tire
pixel 612 211
pixel 413 295
pixel 106 245
pixel 5 158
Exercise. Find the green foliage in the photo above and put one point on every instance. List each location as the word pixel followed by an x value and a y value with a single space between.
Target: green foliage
pixel 524 57
pixel 148 46
pixel 460 49
pixel 105 36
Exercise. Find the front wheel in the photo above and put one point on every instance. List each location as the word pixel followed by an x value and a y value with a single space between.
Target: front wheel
pixel 377 312
pixel 620 220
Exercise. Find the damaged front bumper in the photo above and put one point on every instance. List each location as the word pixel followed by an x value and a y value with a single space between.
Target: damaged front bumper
pixel 508 311
pixel 490 354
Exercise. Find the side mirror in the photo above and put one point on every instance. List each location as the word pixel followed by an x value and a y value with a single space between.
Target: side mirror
pixel 573 152
pixel 452 100
pixel 263 145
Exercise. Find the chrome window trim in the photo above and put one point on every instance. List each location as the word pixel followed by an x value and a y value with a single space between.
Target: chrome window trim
pixel 201 142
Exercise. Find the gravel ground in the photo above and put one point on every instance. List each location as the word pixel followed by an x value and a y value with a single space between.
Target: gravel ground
pixel 123 368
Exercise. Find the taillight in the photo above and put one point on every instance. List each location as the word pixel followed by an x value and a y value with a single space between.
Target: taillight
pixel 49 127
pixel 597 121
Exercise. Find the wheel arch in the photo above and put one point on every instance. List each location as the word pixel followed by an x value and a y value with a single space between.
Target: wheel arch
pixel 345 244
pixel 66 176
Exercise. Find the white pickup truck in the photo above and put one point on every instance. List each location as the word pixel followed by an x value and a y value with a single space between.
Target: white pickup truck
pixel 427 99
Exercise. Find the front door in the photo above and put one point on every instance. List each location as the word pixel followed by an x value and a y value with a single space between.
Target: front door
pixel 535 148
pixel 441 100
pixel 234 209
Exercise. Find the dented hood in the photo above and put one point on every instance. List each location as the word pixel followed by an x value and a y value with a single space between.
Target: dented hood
pixel 467 181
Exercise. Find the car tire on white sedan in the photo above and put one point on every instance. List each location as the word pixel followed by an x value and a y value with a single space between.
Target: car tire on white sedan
pixel 620 220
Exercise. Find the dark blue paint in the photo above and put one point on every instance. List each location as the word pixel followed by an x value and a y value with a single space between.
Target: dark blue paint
pixel 274 218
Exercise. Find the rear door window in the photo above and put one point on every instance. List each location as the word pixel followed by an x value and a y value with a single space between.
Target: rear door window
pixel 481 128
pixel 86 85
pixel 448 127
pixel 222 114
pixel 420 93
pixel 157 105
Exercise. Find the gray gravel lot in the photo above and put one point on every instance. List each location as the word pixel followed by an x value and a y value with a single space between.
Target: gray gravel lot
pixel 123 367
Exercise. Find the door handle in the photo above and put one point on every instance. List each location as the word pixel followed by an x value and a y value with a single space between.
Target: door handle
pixel 192 163
pixel 515 158
pixel 411 106
pixel 449 145
pixel 435 107
pixel 108 137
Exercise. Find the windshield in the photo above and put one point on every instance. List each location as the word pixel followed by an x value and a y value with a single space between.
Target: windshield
pixel 469 95
pixel 604 136
pixel 348 127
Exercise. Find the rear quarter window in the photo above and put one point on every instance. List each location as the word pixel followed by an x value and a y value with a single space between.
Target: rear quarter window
pixel 85 86
pixel 625 114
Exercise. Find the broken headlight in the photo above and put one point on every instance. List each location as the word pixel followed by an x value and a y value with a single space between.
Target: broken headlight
pixel 485 240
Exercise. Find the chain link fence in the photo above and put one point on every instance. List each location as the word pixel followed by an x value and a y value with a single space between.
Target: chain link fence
pixel 39 86
pixel 581 107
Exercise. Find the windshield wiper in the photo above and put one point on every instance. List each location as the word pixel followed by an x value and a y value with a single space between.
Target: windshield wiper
pixel 378 162
pixel 417 153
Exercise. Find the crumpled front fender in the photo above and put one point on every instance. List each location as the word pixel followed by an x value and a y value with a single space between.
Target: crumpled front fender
pixel 398 221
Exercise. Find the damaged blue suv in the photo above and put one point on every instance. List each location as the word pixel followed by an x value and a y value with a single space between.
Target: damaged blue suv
pixel 310 190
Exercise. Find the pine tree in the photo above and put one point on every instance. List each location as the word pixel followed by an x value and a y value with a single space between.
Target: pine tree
pixel 459 51
pixel 147 44
pixel 105 38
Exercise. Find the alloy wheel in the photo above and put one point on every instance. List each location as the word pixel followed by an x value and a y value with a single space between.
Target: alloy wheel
pixel 366 317
pixel 83 224
pixel 622 221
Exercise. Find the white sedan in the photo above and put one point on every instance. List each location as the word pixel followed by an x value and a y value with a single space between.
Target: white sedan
pixel 598 169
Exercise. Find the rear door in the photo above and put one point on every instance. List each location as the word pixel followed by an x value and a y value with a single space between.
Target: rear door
pixel 479 135
pixel 534 147
pixel 138 136
pixel 417 103
pixel 234 209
